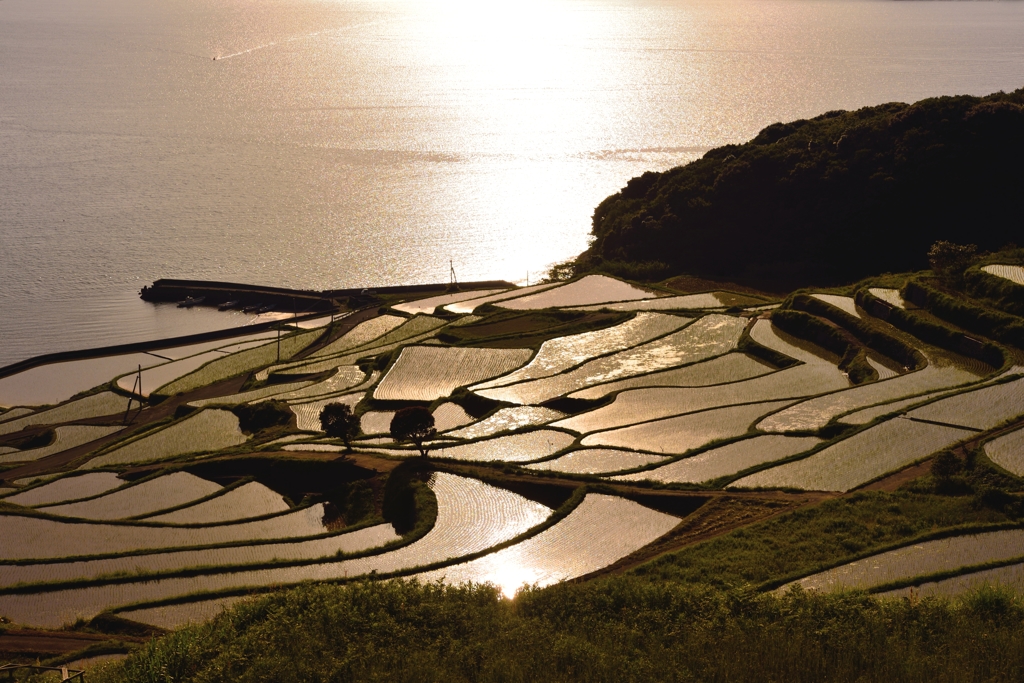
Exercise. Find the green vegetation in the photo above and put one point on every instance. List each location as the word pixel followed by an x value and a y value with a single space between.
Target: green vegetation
pixel 1002 327
pixel 256 417
pixel 853 358
pixel 622 629
pixel 825 201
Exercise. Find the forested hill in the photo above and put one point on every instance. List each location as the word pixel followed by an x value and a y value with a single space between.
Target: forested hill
pixel 827 200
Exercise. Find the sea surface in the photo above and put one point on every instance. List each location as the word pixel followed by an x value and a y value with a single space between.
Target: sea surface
pixel 334 143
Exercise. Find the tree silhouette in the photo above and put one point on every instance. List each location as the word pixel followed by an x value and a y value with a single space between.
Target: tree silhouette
pixel 337 420
pixel 415 424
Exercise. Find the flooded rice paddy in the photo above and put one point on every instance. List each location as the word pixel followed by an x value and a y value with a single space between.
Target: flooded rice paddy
pixel 621 403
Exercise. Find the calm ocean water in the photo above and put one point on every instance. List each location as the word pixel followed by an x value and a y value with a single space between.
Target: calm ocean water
pixel 328 143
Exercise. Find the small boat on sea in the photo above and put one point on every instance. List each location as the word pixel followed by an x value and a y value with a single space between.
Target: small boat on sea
pixel 191 301
pixel 228 305
pixel 252 308
pixel 265 309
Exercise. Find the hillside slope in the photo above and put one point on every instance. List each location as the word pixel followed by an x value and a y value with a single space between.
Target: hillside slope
pixel 827 200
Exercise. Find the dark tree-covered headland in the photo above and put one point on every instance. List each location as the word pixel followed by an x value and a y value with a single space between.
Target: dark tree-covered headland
pixel 827 200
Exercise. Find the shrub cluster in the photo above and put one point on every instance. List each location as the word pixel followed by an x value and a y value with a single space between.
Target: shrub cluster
pixel 1005 328
pixel 805 326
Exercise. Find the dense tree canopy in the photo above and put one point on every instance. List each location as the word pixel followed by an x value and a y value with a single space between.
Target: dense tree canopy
pixel 826 200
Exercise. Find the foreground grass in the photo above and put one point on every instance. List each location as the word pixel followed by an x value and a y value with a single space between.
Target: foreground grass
pixel 623 629
pixel 804 541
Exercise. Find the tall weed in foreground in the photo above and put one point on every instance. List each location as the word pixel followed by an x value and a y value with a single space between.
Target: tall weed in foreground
pixel 622 629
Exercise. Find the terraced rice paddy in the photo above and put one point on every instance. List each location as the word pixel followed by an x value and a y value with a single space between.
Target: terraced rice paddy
pixel 726 460
pixel 765 334
pixel 600 531
pixel 979 409
pixel 470 305
pixel 592 289
pixel 157 376
pixel 883 371
pixel 817 412
pixel 425 373
pixel 206 430
pixel 861 458
pixel 1007 451
pixel 241 362
pixel 1012 273
pixel 562 353
pixel 686 432
pixel 347 378
pixel 891 296
pixel 164 492
pixel 665 303
pixel 58 382
pixel 596 461
pixel 361 334
pixel 450 416
pixel 94 405
pixel 325 548
pixel 69 436
pixel 471 516
pixel 246 501
pixel 709 336
pixel 171 617
pixel 732 367
pixel 377 421
pixel 36 538
pixel 307 415
pixel 522 447
pixel 843 303
pixel 428 305
pixel 271 391
pixel 862 417
pixel 222 345
pixel 637 405
pixel 507 419
pixel 68 488
pixel 1011 577
pixel 13 413
pixel 920 559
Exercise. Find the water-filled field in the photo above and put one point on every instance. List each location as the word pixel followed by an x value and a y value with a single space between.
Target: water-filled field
pixel 185 502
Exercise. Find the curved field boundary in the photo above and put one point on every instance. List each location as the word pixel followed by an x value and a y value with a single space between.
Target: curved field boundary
pixel 709 336
pixel 67 489
pixel 909 562
pixel 470 305
pixel 274 390
pixel 562 353
pixel 426 373
pixel 817 412
pixel 131 568
pixel 521 447
pixel 241 362
pixel 591 289
pixel 683 433
pixel 856 460
pixel 731 367
pixel 506 420
pixel 428 305
pixel 600 531
pixel 360 335
pixel 168 491
pixel 640 405
pixel 1007 451
pixel 979 409
pixel 206 430
pixel 726 460
pixel 34 538
pixel 94 405
pixel 597 461
pixel 471 517
pixel 67 437
pixel 247 501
